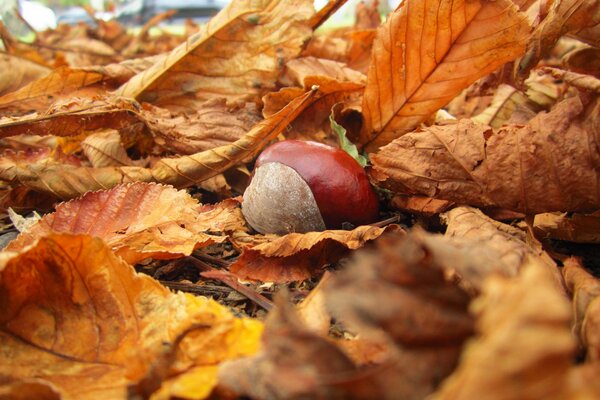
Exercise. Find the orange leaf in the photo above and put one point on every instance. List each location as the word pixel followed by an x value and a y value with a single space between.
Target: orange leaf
pixel 140 220
pixel 84 324
pixel 18 72
pixel 427 52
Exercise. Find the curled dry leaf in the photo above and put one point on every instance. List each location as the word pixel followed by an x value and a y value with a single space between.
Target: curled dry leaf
pixel 297 256
pixel 80 320
pixel 584 61
pixel 140 220
pixel 18 72
pixel 67 182
pixel 213 123
pixel 258 36
pixel 551 164
pixel 579 228
pixel 523 349
pixel 420 63
pixel 585 289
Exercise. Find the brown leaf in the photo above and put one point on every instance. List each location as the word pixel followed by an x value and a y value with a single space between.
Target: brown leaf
pixel 80 320
pixel 300 69
pixel 420 63
pixel 18 72
pixel 479 247
pixel 313 311
pixel 352 48
pixel 296 256
pixel 257 36
pixel 213 123
pixel 584 61
pixel 399 292
pixel 551 164
pixel 139 221
pixel 420 205
pixel 585 290
pixel 367 15
pixel 565 16
pixel 523 349
pixel 579 228
pixel 84 52
pixel 66 182
pixel 313 123
pixel 295 363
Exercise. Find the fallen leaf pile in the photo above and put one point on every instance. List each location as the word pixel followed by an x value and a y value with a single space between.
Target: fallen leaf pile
pixel 478 122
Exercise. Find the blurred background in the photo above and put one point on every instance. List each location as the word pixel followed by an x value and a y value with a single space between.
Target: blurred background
pixel 47 14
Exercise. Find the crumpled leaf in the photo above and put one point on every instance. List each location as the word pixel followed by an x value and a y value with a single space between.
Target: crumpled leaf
pixel 410 304
pixel 18 72
pixel 213 123
pixel 565 16
pixel 523 348
pixel 479 247
pixel 296 256
pixel 350 47
pixel 551 164
pixel 579 228
pixel 84 324
pixel 299 69
pixel 140 220
pixel 67 182
pixel 258 36
pixel 585 289
pixel 420 63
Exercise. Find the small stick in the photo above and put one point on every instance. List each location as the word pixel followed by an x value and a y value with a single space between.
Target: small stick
pixel 230 280
pixel 386 222
pixel 204 290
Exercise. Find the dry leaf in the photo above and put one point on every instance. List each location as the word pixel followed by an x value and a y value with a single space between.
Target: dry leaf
pixel 73 82
pixel 509 105
pixel 420 204
pixel 565 16
pixel 295 363
pixel 213 123
pixel 352 48
pixel 523 349
pixel 420 63
pixel 551 164
pixel 86 325
pixel 584 61
pixel 296 256
pixel 18 72
pixel 86 51
pixel 585 289
pixel 140 220
pixel 313 123
pixel 299 69
pixel 313 311
pixel 104 149
pixel 258 37
pixel 367 15
pixel 579 228
pixel 67 182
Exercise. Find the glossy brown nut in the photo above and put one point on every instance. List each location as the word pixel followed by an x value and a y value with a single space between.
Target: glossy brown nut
pixel 339 184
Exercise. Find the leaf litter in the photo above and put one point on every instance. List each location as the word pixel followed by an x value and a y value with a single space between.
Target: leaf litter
pixel 478 123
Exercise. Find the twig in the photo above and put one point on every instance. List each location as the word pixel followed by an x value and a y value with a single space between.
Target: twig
pixel 386 222
pixel 230 280
pixel 211 259
pixel 203 290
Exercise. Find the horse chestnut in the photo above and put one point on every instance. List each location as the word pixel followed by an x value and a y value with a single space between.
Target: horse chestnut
pixel 302 186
